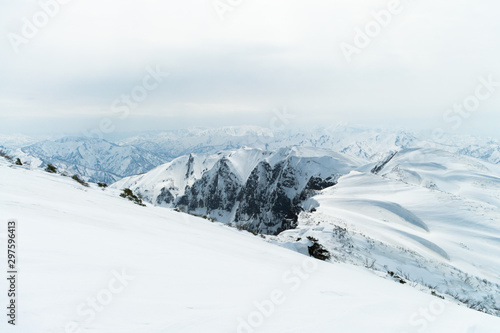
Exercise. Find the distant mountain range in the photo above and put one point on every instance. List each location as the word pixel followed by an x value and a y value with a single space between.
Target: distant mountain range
pixel 104 161
pixel 94 159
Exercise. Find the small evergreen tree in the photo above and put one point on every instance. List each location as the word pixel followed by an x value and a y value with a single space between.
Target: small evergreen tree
pixel 18 162
pixel 103 185
pixel 50 168
pixel 128 194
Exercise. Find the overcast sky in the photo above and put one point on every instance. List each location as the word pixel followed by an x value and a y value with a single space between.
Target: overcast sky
pixel 236 62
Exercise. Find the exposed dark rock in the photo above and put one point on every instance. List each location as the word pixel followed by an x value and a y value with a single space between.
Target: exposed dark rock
pixel 165 197
pixel 383 163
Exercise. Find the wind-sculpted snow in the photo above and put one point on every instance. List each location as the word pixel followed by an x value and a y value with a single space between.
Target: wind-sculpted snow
pixel 386 212
pixel 447 172
pixel 426 244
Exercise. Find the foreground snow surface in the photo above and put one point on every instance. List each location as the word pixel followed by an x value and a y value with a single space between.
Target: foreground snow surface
pixel 178 273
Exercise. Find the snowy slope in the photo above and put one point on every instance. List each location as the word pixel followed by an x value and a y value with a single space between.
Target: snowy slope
pixel 189 275
pixel 430 216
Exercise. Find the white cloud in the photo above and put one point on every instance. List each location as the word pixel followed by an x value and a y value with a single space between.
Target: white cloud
pixel 266 54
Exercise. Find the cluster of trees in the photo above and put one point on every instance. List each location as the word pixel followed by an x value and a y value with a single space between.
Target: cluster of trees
pixel 128 194
pixel 50 168
pixel 79 180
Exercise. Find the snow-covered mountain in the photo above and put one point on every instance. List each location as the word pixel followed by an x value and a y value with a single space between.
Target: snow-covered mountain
pixel 108 265
pixel 257 189
pixel 95 159
pixel 489 151
pixel 429 217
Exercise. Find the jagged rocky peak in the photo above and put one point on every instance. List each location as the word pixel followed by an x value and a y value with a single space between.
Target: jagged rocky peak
pixel 260 190
pixel 377 168
pixel 215 191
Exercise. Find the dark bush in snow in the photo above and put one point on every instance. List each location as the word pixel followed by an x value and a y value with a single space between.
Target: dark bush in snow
pixel 81 181
pixel 4 155
pixel 127 193
pixel 50 168
pixel 317 250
